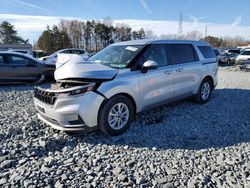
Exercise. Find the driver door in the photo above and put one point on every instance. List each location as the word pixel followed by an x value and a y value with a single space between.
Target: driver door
pixel 156 86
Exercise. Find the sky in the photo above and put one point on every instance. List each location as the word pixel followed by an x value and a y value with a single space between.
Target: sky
pixel 222 17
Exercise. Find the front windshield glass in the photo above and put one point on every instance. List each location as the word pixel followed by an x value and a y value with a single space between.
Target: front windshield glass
pixel 116 56
pixel 245 53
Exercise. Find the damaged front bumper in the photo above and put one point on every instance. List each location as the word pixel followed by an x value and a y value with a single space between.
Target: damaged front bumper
pixel 68 112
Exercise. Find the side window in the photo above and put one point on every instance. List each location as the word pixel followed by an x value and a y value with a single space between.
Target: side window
pixel 1 60
pixel 77 52
pixel 67 52
pixel 207 52
pixel 81 52
pixel 18 60
pixel 183 53
pixel 155 52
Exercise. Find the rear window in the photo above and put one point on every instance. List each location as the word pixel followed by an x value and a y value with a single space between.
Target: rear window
pixel 207 52
pixel 77 52
pixel 183 53
pixel 66 52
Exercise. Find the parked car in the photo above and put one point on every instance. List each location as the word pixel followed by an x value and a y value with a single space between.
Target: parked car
pixel 124 79
pixel 231 58
pixel 20 68
pixel 51 59
pixel 245 66
pixel 234 51
pixel 221 57
pixel 242 48
pixel 243 57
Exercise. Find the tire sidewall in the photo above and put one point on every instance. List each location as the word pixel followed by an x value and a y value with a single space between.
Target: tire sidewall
pixel 201 100
pixel 104 113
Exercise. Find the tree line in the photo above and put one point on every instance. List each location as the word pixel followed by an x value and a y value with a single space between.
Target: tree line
pixel 89 35
pixel 216 42
pixel 95 35
pixel 8 34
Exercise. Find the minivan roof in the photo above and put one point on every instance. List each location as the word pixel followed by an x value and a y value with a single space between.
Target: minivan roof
pixel 159 41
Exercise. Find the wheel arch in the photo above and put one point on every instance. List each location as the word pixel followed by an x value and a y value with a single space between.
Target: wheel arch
pixel 121 94
pixel 210 78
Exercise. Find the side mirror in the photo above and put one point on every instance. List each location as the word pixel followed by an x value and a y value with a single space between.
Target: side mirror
pixel 148 65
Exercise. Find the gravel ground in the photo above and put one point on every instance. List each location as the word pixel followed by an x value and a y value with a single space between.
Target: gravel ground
pixel 181 145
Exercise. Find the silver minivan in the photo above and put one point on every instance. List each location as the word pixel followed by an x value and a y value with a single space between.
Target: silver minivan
pixel 124 79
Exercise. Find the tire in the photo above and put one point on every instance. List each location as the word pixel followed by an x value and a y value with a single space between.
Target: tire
pixel 203 94
pixel 110 119
pixel 229 62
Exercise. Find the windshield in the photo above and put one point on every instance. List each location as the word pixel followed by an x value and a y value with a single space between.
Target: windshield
pixel 245 53
pixel 116 56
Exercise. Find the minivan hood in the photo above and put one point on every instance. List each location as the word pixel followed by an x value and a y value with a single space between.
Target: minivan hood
pixel 77 68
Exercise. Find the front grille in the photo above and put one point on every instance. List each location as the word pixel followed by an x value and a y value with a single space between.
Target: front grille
pixel 45 96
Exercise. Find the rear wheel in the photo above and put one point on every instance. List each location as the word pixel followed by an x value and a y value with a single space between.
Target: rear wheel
pixel 116 115
pixel 204 92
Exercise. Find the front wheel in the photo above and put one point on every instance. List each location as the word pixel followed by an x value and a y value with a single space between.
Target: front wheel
pixel 204 92
pixel 116 115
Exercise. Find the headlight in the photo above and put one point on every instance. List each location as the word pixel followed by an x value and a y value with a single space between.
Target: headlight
pixel 82 90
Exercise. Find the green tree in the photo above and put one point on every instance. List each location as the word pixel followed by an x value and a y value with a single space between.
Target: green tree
pixel 87 35
pixel 214 41
pixel 123 32
pixel 53 40
pixel 140 34
pixel 8 34
pixel 103 35
pixel 45 41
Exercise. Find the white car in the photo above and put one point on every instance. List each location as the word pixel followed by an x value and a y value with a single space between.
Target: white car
pixel 52 59
pixel 243 57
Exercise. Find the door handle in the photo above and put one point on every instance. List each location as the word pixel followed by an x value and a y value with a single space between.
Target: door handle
pixel 179 70
pixel 168 72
